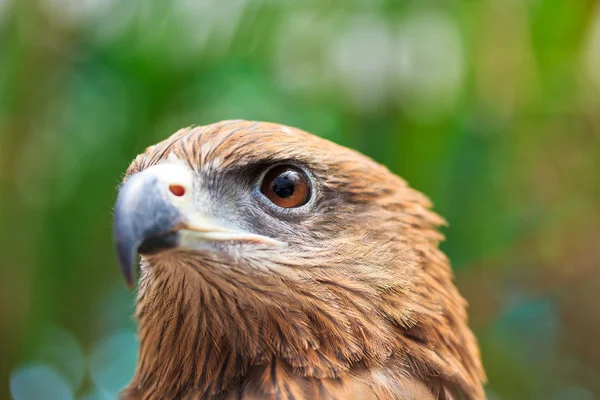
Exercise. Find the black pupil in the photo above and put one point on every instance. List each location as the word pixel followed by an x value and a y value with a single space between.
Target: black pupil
pixel 283 185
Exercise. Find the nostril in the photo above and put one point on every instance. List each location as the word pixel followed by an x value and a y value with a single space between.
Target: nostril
pixel 177 190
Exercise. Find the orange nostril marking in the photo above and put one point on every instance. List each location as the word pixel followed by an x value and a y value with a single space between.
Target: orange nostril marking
pixel 177 190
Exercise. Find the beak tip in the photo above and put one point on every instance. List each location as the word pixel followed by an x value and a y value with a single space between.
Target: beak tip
pixel 126 255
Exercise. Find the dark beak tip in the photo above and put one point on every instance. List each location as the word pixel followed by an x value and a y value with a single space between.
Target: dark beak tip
pixel 126 255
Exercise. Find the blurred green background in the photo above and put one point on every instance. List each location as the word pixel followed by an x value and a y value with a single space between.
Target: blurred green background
pixel 490 107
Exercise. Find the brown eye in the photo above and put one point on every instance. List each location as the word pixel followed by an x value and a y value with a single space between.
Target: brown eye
pixel 286 187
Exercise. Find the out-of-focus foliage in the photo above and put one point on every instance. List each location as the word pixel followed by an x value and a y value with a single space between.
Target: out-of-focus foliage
pixel 490 107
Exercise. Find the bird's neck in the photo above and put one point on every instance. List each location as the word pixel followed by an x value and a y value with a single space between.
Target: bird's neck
pixel 207 334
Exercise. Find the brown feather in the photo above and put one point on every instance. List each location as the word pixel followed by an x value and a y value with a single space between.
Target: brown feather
pixel 372 313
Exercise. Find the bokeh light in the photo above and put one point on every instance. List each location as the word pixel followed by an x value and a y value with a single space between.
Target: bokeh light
pixel 112 362
pixel 33 382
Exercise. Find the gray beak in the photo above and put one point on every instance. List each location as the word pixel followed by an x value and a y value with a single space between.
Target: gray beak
pixel 145 221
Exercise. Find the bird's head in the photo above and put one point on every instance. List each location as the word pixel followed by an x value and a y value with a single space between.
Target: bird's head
pixel 268 205
pixel 281 244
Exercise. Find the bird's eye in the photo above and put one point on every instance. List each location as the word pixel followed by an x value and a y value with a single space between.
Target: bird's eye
pixel 286 187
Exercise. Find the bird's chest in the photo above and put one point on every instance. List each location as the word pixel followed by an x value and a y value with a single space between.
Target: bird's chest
pixel 275 382
pixel 300 389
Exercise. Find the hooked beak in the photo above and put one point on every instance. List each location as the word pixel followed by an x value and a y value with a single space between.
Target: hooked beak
pixel 154 212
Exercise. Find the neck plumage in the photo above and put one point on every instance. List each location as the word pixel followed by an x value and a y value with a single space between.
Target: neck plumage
pixel 204 328
pixel 205 332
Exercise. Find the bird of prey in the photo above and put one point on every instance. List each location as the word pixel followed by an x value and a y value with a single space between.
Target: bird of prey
pixel 278 265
